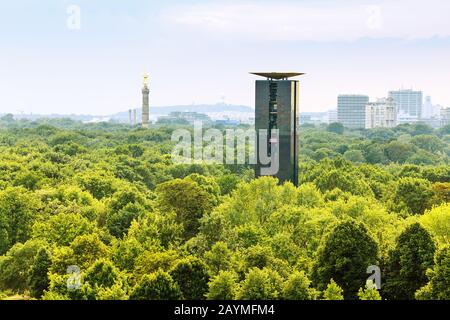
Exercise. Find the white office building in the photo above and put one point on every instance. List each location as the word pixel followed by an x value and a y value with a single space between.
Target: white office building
pixel 381 114
pixel 409 104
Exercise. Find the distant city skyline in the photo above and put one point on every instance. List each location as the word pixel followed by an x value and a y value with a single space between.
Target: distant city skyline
pixel 201 51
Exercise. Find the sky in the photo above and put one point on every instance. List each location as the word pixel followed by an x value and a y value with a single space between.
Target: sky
pixel 88 57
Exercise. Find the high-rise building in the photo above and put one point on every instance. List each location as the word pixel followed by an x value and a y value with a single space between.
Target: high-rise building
pixel 352 110
pixel 409 103
pixel 145 103
pixel 381 114
pixel 277 107
pixel 429 110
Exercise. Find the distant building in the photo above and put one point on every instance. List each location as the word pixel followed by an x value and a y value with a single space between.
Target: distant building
pixel 187 117
pixel 227 122
pixel 305 119
pixel 404 118
pixel 434 123
pixel 429 110
pixel 315 118
pixel 351 111
pixel 381 114
pixel 332 116
pixel 445 116
pixel 409 104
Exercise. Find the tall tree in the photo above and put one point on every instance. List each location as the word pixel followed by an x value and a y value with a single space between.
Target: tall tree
pixel 345 255
pixel 298 287
pixel 191 274
pixel 264 284
pixel 408 262
pixel 413 195
pixel 18 208
pixel 38 280
pixel 223 286
pixel 336 127
pixel 188 200
pixel 157 286
pixel 439 286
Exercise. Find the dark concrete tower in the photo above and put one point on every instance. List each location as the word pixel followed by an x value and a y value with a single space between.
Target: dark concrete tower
pixel 277 107
pixel 145 103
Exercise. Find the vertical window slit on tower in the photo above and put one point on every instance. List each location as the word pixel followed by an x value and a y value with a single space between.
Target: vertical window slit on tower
pixel 273 114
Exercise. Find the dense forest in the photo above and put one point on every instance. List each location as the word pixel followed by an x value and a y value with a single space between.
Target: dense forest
pixel 99 211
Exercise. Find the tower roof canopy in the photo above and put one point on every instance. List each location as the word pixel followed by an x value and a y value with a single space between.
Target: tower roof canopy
pixel 277 75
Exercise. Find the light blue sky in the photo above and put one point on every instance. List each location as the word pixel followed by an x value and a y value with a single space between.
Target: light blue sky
pixel 202 51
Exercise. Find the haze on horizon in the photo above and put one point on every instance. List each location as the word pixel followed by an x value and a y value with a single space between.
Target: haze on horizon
pixel 202 51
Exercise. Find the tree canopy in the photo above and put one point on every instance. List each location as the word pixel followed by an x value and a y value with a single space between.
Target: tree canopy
pixel 100 211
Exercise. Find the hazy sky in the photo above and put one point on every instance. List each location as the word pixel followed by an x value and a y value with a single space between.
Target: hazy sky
pixel 201 51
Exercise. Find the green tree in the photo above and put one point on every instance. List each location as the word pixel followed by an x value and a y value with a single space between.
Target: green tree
pixel 413 194
pixel 439 286
pixel 191 274
pixel 157 286
pixel 441 192
pixel 344 256
pixel 336 127
pixel 87 249
pixel 355 156
pixel 258 257
pixel 260 284
pixel 151 261
pixel 207 184
pixel 370 292
pixel 15 265
pixel 428 142
pixel 119 221
pixel 223 286
pixel 382 135
pixel 421 129
pixel 309 196
pixel 333 292
pixel 38 280
pixel 63 228
pixel 188 200
pixel 18 208
pixel 445 130
pixel 298 287
pixel 324 153
pixel 374 154
pixel 8 118
pixel 422 157
pixel 99 184
pixel 346 181
pixel 408 263
pixel 218 258
pixel 437 222
pixel 125 252
pixel 399 152
pixel 228 183
pixel 102 273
